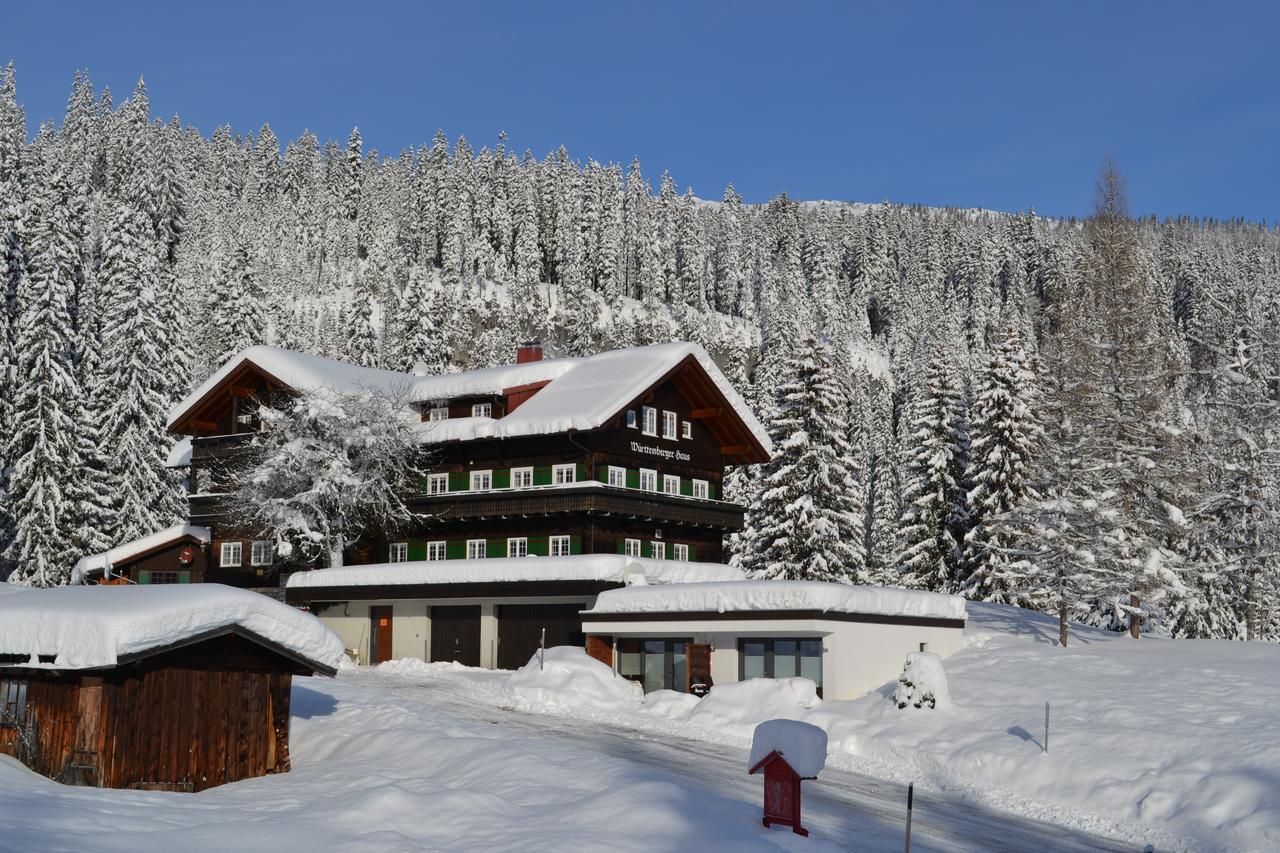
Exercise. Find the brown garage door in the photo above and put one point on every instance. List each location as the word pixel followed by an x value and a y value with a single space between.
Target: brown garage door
pixel 520 628
pixel 455 633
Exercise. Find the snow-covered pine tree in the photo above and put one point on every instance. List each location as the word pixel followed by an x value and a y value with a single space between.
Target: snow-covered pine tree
pixel 806 523
pixel 1006 433
pixel 929 535
pixel 42 444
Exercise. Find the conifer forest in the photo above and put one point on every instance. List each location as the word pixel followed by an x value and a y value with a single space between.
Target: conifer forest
pixel 1078 416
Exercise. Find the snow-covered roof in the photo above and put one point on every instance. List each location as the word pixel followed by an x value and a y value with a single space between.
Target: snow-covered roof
pixel 129 550
pixel 179 455
pixel 609 568
pixel 581 394
pixel 802 745
pixel 763 595
pixel 301 372
pixel 90 627
pixel 588 392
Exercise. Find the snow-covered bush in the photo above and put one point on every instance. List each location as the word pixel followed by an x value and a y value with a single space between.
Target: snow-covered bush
pixel 923 683
pixel 571 679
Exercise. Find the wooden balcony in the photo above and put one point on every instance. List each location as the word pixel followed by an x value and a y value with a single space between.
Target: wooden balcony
pixel 591 499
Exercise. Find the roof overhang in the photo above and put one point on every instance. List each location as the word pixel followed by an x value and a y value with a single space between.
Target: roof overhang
pixel 186 421
pixel 489 589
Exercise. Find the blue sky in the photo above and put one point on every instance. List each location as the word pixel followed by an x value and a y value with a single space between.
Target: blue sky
pixel 998 105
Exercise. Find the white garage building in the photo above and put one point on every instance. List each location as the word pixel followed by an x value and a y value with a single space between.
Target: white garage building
pixel 848 639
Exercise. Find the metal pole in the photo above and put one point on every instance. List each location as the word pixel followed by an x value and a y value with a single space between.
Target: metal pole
pixel 1046 727
pixel 542 649
pixel 911 788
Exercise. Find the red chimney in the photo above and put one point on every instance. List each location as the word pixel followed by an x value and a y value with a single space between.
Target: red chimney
pixel 529 351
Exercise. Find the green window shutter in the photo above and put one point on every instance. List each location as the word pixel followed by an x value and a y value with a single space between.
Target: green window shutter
pixel 602 473
pixel 693 553
pixel 144 576
pixel 575 544
pixel 539 545
pixel 582 472
pixel 422 485
pixel 184 577
pixel 711 491
pixel 622 544
pixel 455 549
pixel 542 475
pixel 459 481
pixel 417 549
pixel 495 548
pixel 502 478
pixel 633 478
pixel 686 487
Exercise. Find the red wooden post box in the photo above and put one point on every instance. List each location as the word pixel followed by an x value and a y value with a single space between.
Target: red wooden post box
pixel 781 792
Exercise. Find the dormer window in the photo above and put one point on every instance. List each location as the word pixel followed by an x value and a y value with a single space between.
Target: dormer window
pixel 482 410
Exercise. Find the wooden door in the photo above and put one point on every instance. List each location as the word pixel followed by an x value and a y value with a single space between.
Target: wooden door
pixel 455 633
pixel 379 634
pixel 520 629
pixel 698 669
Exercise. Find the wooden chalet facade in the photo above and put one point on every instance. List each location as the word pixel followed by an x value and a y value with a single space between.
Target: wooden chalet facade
pixel 646 480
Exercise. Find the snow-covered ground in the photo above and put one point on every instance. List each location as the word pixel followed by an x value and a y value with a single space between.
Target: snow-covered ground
pixel 1169 743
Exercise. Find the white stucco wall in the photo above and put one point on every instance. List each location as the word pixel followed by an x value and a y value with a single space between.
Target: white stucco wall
pixel 411 623
pixel 857 656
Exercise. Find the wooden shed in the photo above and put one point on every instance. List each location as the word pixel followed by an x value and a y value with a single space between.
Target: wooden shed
pixel 157 688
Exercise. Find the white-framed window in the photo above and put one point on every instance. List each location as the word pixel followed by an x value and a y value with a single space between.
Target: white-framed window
pixel 518 546
pixel 232 554
pixel 482 410
pixel 658 550
pixel 481 481
pixel 617 476
pixel 632 547
pixel 436 550
pixel 564 473
pixel 439 413
pixel 260 552
pixel 650 421
pixel 399 552
pixel 670 484
pixel 669 425
pixel 680 552
pixel 477 549
pixel 686 429
pixel 701 489
pixel 437 484
pixel 632 420
pixel 560 546
pixel 648 480
pixel 521 478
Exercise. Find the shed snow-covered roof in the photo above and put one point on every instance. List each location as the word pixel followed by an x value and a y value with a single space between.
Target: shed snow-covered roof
pixel 607 568
pixel 762 595
pixel 92 627
pixel 136 548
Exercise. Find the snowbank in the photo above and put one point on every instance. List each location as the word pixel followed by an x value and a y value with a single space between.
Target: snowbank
pixel 740 706
pixel 129 550
pixel 607 568
pixel 94 626
pixel 568 678
pixel 732 596
pixel 804 746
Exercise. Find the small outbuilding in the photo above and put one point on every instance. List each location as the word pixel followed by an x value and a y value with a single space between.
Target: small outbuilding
pixel 847 639
pixel 176 688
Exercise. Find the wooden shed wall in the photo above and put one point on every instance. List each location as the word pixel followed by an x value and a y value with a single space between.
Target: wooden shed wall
pixel 53 699
pixel 187 729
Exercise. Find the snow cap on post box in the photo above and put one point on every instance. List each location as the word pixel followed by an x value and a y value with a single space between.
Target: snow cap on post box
pixel 802 745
